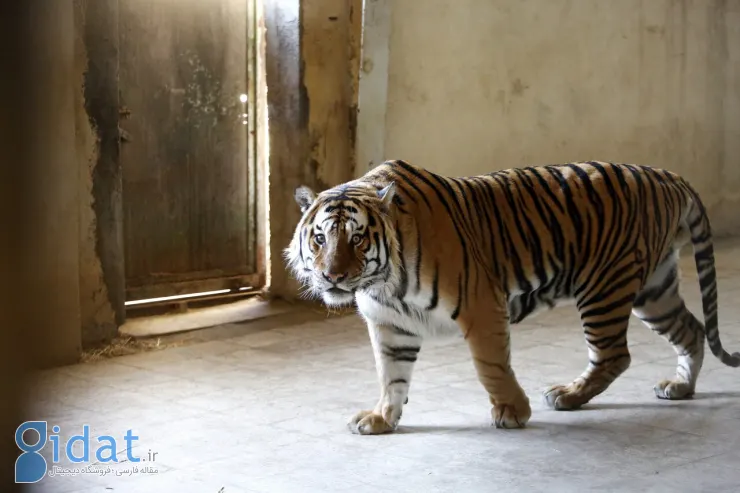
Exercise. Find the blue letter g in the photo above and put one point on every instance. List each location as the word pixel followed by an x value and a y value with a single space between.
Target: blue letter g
pixel 30 467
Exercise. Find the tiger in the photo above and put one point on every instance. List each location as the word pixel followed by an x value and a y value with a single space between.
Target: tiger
pixel 421 254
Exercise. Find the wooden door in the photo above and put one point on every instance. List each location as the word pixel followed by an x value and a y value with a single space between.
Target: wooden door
pixel 189 180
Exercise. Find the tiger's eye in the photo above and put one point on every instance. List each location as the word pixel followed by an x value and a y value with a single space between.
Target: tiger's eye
pixel 356 239
pixel 320 239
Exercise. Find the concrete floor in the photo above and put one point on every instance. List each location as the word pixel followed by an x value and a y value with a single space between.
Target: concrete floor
pixel 266 412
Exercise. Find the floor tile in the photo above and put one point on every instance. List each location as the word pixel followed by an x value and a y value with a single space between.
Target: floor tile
pixel 267 412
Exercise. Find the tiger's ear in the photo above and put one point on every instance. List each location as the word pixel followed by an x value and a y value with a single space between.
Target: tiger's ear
pixel 304 197
pixel 386 194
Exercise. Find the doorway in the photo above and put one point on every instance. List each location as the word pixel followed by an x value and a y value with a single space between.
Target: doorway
pixel 188 149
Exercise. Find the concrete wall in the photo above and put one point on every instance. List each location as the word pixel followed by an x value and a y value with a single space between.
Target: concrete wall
pixel 51 262
pixel 311 63
pixel 12 218
pixel 479 85
pixel 95 89
pixel 39 316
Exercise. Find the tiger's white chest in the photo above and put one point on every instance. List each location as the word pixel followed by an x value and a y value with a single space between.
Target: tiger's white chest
pixel 412 314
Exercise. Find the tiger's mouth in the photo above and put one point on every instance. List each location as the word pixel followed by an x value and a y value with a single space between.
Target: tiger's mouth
pixel 336 296
pixel 335 291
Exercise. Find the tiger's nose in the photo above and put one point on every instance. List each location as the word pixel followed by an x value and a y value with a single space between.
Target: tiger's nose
pixel 335 277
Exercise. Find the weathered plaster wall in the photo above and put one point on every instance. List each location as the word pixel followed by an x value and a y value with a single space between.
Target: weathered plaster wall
pixel 325 40
pixel 13 215
pixel 479 85
pixel 311 55
pixel 51 260
pixel 287 113
pixel 356 17
pixel 102 282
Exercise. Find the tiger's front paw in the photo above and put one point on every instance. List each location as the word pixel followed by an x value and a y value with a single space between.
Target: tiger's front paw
pixel 566 397
pixel 514 415
pixel 370 423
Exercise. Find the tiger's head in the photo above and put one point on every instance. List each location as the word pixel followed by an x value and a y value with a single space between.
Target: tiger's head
pixel 345 241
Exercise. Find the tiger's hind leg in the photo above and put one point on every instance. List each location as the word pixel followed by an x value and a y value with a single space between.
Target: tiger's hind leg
pixel 605 318
pixel 660 306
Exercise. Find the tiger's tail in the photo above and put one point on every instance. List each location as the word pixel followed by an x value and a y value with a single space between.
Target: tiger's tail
pixel 701 241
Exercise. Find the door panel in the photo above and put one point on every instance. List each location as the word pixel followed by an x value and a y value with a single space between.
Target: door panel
pixel 188 179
